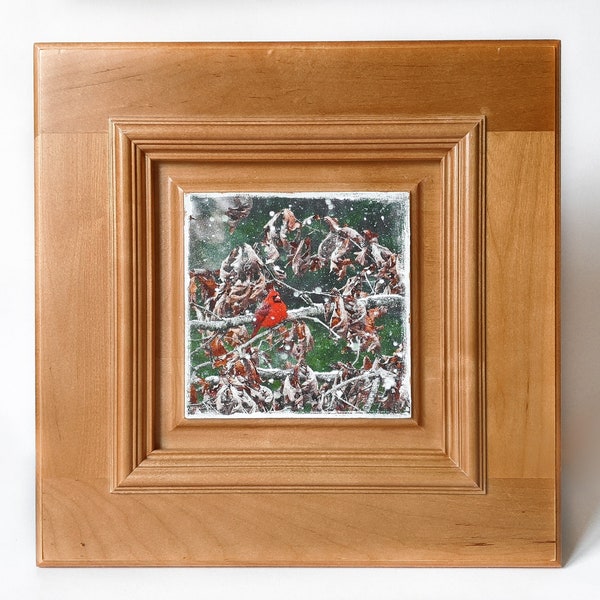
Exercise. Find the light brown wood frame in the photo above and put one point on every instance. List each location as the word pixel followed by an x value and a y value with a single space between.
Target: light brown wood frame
pixel 123 131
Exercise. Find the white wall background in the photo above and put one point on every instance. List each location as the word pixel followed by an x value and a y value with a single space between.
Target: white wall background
pixel 575 22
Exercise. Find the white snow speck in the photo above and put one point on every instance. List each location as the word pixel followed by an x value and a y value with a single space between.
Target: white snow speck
pixel 354 345
pixel 388 381
pixel 271 213
pixel 318 289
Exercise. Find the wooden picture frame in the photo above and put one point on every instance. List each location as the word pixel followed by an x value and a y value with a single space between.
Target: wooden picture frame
pixel 470 130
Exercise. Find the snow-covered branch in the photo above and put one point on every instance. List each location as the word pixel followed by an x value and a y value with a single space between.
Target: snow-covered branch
pixel 331 376
pixel 305 312
pixel 283 373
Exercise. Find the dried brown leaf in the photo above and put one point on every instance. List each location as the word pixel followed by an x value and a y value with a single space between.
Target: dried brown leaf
pixel 238 210
pixel 290 221
pixel 332 222
pixel 327 246
pixel 301 258
pixel 352 235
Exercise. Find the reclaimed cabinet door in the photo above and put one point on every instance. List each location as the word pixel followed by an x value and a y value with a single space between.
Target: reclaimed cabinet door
pixel 470 131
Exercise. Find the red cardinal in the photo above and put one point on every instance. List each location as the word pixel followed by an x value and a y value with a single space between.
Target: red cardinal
pixel 270 313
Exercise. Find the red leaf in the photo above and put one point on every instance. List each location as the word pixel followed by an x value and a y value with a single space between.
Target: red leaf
pixel 193 395
pixel 192 290
pixel 216 347
pixel 369 235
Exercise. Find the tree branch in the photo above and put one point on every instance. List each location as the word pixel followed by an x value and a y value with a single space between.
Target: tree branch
pixel 280 374
pixel 342 384
pixel 283 373
pixel 316 310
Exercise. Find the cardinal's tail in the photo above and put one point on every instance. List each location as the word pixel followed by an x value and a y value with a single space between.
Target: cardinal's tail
pixel 255 330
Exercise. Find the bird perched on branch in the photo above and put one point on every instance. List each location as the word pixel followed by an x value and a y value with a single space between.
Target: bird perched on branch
pixel 270 313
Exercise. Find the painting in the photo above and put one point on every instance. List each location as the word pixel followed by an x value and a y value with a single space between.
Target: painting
pixel 298 305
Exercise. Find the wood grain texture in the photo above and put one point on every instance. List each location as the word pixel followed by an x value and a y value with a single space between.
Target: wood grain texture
pixel 512 524
pixel 74 301
pixel 80 88
pixel 521 279
pixel 512 83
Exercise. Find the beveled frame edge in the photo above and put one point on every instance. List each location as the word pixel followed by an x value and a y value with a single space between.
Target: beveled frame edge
pixel 459 143
pixel 557 308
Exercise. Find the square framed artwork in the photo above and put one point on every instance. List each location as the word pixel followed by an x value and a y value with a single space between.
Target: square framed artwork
pixel 334 341
pixel 297 304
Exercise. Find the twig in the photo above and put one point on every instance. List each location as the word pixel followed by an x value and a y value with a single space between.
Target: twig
pixel 198 349
pixel 372 395
pixel 368 282
pixel 203 309
pixel 258 336
pixel 304 292
pixel 283 373
pixel 348 403
pixel 280 374
pixel 345 382
pixel 198 367
pixel 317 320
pixel 237 349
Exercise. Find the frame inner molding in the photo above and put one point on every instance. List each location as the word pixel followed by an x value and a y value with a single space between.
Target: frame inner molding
pixel 156 450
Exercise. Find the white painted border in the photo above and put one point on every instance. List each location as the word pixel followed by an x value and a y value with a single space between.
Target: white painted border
pixel 377 196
